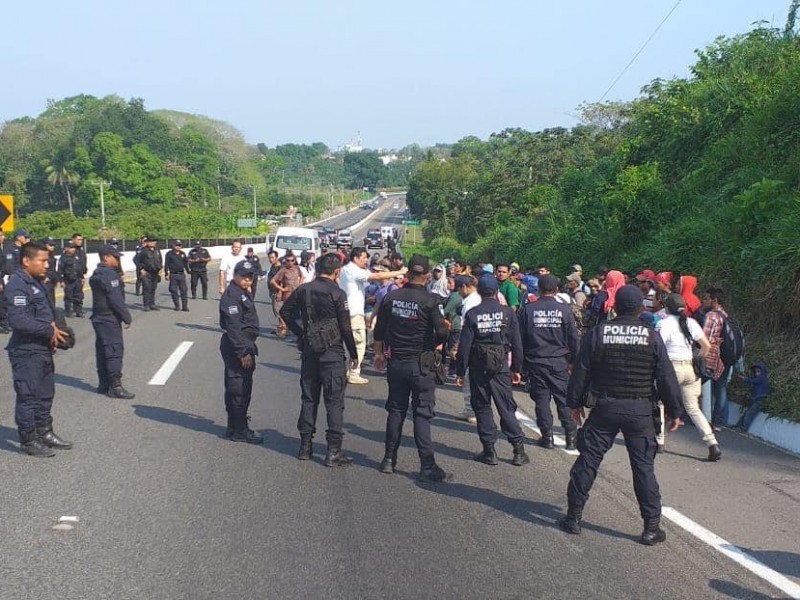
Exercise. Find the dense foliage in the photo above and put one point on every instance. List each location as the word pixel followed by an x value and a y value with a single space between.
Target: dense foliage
pixel 698 175
pixel 167 173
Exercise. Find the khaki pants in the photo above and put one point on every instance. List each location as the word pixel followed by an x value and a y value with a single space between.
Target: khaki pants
pixel 359 326
pixel 690 389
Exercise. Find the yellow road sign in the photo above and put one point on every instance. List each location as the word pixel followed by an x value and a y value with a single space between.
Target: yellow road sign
pixel 7 213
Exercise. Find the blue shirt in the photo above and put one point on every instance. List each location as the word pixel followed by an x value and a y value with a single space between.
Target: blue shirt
pixel 30 315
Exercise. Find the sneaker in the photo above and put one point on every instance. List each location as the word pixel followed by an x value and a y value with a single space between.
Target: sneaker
pixel 468 416
pixel 357 380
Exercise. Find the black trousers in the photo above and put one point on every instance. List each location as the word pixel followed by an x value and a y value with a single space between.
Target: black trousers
pixel 326 375
pixel 406 381
pixel 485 388
pixel 108 348
pixel 33 374
pixel 51 292
pixel 149 284
pixel 73 295
pixel 546 381
pixel 3 310
pixel 238 385
pixel 177 288
pixel 610 416
pixel 202 277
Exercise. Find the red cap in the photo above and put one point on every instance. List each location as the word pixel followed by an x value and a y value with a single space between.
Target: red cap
pixel 665 278
pixel 646 275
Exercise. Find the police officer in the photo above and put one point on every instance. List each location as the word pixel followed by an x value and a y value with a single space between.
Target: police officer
pixel 260 272
pixel 488 332
pixel 149 264
pixel 30 351
pixel 619 362
pixel 412 326
pixel 70 271
pixel 550 342
pixel 325 325
pixel 136 250
pixel 239 320
pixel 198 268
pixel 108 314
pixel 51 279
pixel 3 314
pixel 13 263
pixel 80 253
pixel 175 268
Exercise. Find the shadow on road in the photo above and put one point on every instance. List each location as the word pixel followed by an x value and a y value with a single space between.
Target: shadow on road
pixel 74 382
pixel 733 590
pixel 283 444
pixel 406 442
pixel 199 327
pixel 7 436
pixel 539 513
pixel 786 563
pixel 181 419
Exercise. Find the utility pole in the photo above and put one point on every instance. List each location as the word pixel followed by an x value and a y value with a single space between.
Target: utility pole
pixel 331 196
pixel 219 197
pixel 102 184
pixel 255 214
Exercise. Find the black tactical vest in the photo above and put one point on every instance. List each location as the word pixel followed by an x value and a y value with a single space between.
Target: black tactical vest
pixel 623 362
pixel 99 297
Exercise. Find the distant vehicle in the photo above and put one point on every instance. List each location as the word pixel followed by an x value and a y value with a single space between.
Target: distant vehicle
pixel 383 195
pixel 344 239
pixel 296 239
pixel 367 205
pixel 396 206
pixel 374 239
pixel 387 232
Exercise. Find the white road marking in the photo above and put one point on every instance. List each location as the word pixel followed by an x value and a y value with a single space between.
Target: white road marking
pixel 559 440
pixel 67 519
pixel 788 587
pixel 162 375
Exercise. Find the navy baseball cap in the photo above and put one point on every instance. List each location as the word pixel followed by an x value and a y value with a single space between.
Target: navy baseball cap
pixel 108 249
pixel 487 283
pixel 49 241
pixel 244 268
pixel 21 232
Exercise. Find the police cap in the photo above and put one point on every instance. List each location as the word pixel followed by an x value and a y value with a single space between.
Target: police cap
pixel 244 268
pixel 487 284
pixel 108 249
pixel 419 264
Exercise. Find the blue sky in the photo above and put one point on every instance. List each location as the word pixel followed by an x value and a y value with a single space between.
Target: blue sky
pixel 422 71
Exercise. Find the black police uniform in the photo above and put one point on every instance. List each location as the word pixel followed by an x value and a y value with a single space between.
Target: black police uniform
pixel 260 272
pixel 51 278
pixel 70 270
pixel 198 269
pixel 321 372
pixel 176 266
pixel 492 325
pixel 136 250
pixel 30 316
pixel 12 259
pixel 411 324
pixel 77 298
pixel 3 313
pixel 619 362
pixel 108 313
pixel 149 260
pixel 239 320
pixel 550 342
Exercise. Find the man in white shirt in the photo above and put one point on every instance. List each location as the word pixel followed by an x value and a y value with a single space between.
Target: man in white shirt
pixel 227 264
pixel 353 280
pixel 467 287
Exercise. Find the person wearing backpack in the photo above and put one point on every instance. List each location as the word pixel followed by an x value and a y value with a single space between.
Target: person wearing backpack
pixel 714 329
pixel 550 343
pixel 488 332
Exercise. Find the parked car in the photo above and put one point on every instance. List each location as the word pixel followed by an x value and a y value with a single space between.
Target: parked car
pixel 344 239
pixel 373 239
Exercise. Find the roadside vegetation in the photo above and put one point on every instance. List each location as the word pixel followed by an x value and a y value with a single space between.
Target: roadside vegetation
pixel 698 175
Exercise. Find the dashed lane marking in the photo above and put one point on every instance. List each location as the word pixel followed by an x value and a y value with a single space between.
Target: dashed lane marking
pixel 162 375
pixel 787 586
pixel 558 440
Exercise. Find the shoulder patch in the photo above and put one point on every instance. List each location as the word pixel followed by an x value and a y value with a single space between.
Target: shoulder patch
pixel 20 301
pixel 233 310
pixel 34 289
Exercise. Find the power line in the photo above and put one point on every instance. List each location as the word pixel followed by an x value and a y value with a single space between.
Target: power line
pixel 635 56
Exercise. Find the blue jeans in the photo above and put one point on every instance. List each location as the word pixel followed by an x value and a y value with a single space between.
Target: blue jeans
pixel 719 399
pixel 750 414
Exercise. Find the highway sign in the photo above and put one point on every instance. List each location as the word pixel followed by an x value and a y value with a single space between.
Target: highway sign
pixel 245 223
pixel 411 222
pixel 7 213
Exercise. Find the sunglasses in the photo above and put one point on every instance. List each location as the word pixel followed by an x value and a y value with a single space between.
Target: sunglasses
pixel 290 260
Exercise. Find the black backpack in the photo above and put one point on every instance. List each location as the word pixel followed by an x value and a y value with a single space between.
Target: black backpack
pixel 732 347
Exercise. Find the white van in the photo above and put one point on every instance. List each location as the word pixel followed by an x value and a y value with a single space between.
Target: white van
pixel 296 239
pixel 387 232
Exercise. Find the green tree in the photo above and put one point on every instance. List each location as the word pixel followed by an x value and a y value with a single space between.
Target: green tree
pixel 59 175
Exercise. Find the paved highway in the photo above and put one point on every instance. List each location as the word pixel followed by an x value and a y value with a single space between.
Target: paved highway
pixel 167 508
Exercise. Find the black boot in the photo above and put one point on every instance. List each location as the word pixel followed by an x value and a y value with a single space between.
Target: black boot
pixel 306 448
pixel 67 310
pixel 520 456
pixel 389 463
pixel 32 445
pixel 335 457
pixel 488 456
pixel 572 439
pixel 115 390
pixel 571 523
pixel 79 312
pixel 433 473
pixel 546 441
pixel 177 306
pixel 229 428
pixel 185 306
pixel 653 534
pixel 49 438
pixel 714 453
pixel 243 433
pixel 102 387
pixel 154 307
